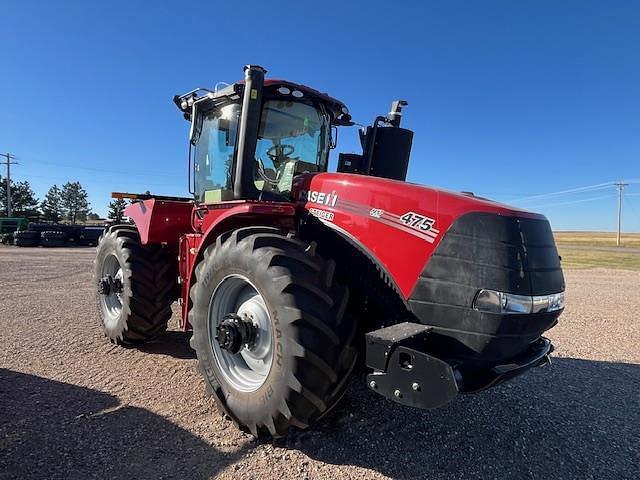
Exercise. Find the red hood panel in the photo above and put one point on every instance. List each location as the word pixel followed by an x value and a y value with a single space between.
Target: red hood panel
pixel 398 223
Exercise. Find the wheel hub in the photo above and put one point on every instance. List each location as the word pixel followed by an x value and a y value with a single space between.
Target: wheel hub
pixel 111 290
pixel 236 332
pixel 108 285
pixel 240 333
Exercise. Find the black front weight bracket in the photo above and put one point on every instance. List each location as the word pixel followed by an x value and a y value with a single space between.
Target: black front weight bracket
pixel 404 374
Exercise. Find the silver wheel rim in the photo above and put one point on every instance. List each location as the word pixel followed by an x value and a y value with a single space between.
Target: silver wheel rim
pixel 248 369
pixel 111 304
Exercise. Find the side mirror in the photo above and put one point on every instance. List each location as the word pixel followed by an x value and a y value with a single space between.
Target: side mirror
pixel 333 137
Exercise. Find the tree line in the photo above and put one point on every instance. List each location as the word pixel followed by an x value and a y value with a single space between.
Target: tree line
pixel 69 202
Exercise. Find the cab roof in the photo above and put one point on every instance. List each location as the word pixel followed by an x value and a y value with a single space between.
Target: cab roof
pixel 273 87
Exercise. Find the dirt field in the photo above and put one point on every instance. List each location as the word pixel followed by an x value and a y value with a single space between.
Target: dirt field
pixel 73 406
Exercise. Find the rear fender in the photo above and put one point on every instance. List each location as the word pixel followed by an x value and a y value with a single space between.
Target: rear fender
pixel 161 221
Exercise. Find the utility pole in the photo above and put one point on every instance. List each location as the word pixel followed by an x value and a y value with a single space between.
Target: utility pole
pixel 620 186
pixel 8 163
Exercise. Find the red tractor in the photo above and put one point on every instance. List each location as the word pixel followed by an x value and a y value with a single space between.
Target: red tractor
pixel 288 274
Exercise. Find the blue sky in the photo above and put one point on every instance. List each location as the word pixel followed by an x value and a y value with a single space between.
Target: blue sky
pixel 508 99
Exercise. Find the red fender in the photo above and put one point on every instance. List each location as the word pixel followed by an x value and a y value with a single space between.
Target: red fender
pixel 209 221
pixel 190 229
pixel 160 221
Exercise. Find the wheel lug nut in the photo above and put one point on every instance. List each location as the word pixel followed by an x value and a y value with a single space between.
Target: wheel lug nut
pixel 373 384
pixel 398 393
pixel 415 387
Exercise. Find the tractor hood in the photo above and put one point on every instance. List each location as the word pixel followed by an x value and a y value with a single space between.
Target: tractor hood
pixel 401 225
pixel 484 277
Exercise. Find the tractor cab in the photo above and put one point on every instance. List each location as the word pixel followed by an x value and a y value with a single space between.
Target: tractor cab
pixel 249 140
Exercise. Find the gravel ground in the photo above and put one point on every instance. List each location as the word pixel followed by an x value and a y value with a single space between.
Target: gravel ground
pixel 73 406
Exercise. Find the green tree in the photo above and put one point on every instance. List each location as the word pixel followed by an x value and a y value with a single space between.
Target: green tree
pixel 116 209
pixel 23 200
pixel 51 205
pixel 75 203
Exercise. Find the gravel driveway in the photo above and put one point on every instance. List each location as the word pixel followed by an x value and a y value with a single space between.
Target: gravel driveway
pixel 74 406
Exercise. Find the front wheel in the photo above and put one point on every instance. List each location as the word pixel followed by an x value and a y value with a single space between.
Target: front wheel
pixel 270 331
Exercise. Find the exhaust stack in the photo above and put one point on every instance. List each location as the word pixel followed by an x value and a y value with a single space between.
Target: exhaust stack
pixel 385 148
pixel 243 186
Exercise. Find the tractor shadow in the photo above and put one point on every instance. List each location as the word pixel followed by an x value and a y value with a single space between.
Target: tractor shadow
pixel 50 429
pixel 573 419
pixel 172 343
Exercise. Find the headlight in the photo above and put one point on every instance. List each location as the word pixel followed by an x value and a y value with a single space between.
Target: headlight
pixel 501 302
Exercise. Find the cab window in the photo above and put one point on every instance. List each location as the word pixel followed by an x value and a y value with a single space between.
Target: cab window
pixel 293 138
pixel 214 154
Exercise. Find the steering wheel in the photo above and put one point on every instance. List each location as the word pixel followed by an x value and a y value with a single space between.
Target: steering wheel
pixel 278 151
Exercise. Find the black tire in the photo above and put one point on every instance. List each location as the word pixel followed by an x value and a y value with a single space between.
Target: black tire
pixel 89 236
pixel 149 286
pixel 38 227
pixel 50 243
pixel 26 235
pixel 53 235
pixel 7 238
pixel 26 238
pixel 25 243
pixel 53 239
pixel 307 311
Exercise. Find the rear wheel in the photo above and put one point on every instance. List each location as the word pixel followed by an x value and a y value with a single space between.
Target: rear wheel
pixel 135 286
pixel 269 330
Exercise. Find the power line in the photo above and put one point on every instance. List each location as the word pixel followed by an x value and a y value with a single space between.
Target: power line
pixel 585 189
pixel 631 205
pixel 106 170
pixel 8 163
pixel 571 202
pixel 588 188
pixel 62 178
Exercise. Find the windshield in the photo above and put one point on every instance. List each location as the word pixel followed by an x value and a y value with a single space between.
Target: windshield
pixel 214 152
pixel 293 138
